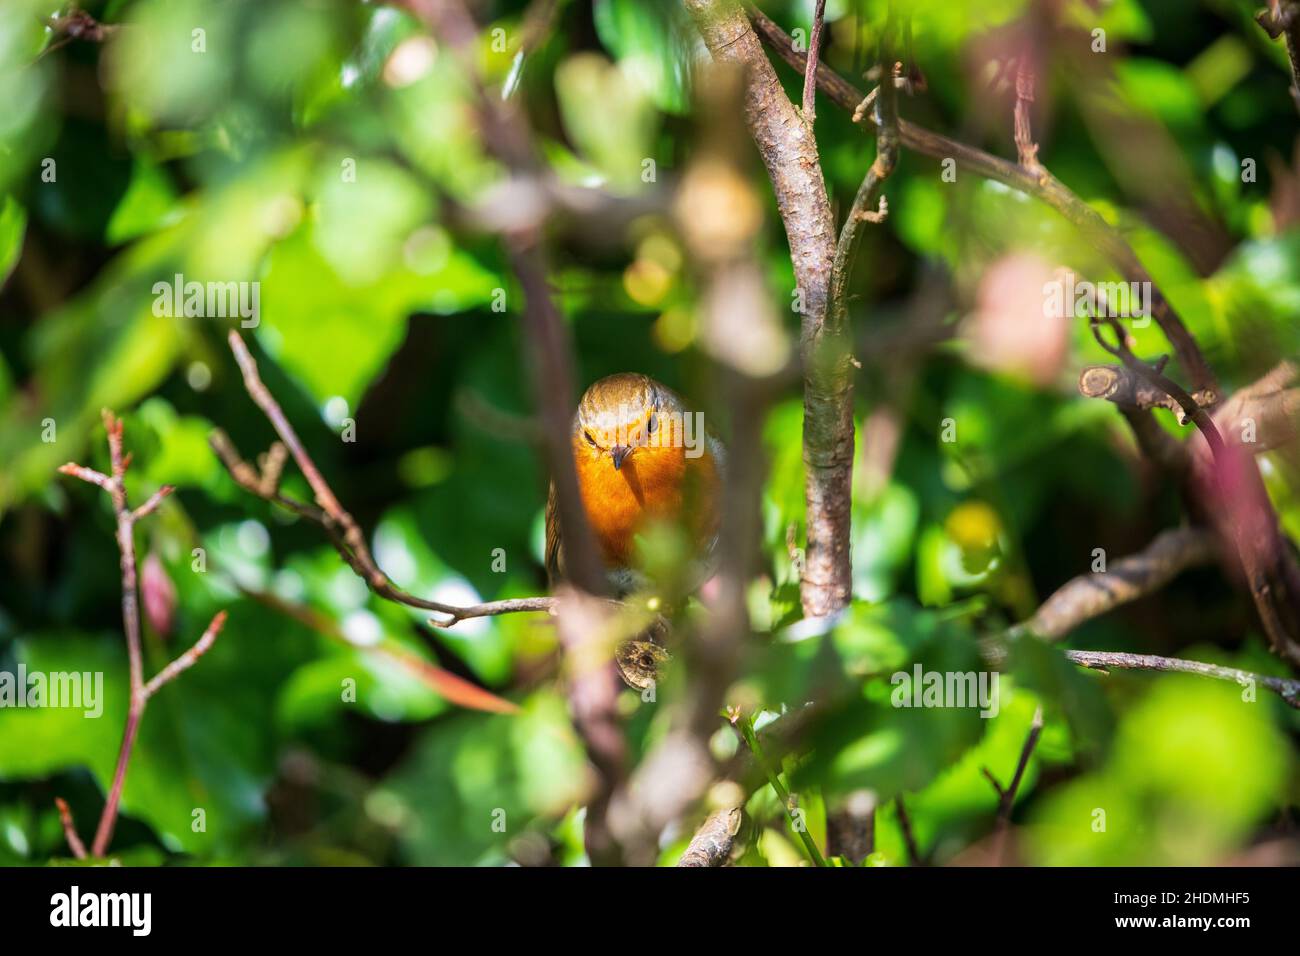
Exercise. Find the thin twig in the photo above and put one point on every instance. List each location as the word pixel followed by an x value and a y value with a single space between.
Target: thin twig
pixel 1288 690
pixel 1026 148
pixel 909 838
pixel 789 153
pixel 1282 19
pixel 810 72
pixel 1125 580
pixel 1007 794
pixel 869 204
pixel 1036 182
pixel 745 724
pixel 343 531
pixel 70 829
pixel 140 692
pixel 189 658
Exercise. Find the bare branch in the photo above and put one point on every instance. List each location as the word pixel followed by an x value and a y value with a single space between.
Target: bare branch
pixel 491 608
pixel 126 518
pixel 331 516
pixel 1282 19
pixel 1288 690
pixel 152 503
pixel 714 840
pixel 1007 794
pixel 189 658
pixel 70 829
pixel 1026 148
pixel 789 152
pixel 810 71
pixel 261 395
pixel 869 204
pixel 88 475
pixel 1128 389
pixel 1036 182
pixel 1125 580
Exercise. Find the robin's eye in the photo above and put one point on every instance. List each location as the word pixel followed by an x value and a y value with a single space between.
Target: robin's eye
pixel 652 424
pixel 590 441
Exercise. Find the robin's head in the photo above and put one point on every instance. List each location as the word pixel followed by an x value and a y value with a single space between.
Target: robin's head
pixel 623 413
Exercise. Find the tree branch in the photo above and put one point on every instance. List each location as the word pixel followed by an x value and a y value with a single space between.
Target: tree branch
pixel 189 658
pixel 789 152
pixel 1037 182
pixel 1127 389
pixel 810 72
pixel 510 141
pixel 70 829
pixel 714 840
pixel 1026 148
pixel 1125 580
pixel 345 535
pixel 1288 690
pixel 869 204
pixel 1238 502
pixel 1282 19
pixel 337 522
pixel 115 484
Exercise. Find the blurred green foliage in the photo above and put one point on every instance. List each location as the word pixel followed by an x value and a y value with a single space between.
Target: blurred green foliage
pixel 327 151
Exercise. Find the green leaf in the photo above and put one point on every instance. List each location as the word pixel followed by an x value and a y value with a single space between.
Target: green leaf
pixel 333 324
pixel 654 44
pixel 485 770
pixel 13 227
pixel 149 203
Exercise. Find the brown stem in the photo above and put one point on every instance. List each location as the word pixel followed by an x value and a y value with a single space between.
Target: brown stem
pixel 714 840
pixel 810 72
pixel 869 203
pixel 331 516
pixel 70 829
pixel 909 838
pixel 1083 598
pixel 189 658
pixel 1283 20
pixel 140 692
pixel 1252 529
pixel 789 152
pixel 1037 182
pixel 1288 690
pixel 1026 148
pixel 1007 795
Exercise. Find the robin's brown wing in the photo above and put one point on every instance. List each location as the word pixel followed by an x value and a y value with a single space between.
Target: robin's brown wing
pixel 554 546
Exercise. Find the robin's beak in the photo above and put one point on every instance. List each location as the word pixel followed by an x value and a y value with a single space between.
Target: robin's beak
pixel 619 453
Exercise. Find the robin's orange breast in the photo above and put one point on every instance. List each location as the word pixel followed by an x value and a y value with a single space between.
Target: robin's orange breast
pixel 652 484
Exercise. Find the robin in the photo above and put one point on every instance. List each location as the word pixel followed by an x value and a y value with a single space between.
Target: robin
pixel 640 457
